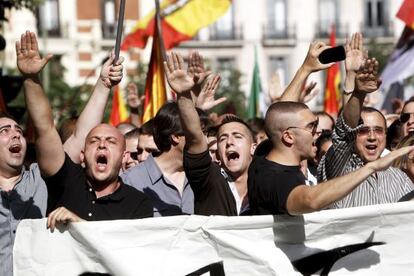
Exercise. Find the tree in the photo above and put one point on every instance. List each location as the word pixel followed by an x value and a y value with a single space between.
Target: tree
pixel 230 88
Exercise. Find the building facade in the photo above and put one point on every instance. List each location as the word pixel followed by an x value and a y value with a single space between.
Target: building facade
pixel 82 32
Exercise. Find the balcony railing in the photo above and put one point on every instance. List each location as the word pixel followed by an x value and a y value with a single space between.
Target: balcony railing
pixel 234 33
pixel 271 33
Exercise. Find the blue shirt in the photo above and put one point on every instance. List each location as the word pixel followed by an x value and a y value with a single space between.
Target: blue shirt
pixel 148 178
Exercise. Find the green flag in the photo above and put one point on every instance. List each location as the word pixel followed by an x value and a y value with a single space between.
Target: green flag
pixel 254 108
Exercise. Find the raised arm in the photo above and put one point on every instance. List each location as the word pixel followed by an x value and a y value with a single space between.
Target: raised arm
pixel 49 148
pixel 355 60
pixel 182 83
pixel 305 199
pixel 367 81
pixel 310 64
pixel 93 112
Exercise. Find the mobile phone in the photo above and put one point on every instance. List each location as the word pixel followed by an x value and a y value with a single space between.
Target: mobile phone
pixel 333 54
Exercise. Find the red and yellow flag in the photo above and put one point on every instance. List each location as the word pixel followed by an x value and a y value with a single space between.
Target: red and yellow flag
pixel 406 13
pixel 155 89
pixel 333 80
pixel 180 21
pixel 119 112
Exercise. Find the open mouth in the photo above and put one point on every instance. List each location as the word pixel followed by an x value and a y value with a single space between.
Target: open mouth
pixel 101 162
pixel 232 156
pixel 371 148
pixel 16 148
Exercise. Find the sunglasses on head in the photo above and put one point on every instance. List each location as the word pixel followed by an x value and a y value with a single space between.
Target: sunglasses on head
pixel 404 117
pixel 366 130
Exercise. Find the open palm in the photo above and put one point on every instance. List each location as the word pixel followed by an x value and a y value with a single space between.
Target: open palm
pixel 355 55
pixel 354 60
pixel 179 80
pixel 29 61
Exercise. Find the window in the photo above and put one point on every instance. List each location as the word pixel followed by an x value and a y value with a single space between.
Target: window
pixel 48 18
pixel 328 17
pixel 376 23
pixel 108 19
pixel 224 27
pixel 276 18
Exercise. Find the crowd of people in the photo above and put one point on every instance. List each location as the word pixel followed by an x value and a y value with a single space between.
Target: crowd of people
pixel 181 162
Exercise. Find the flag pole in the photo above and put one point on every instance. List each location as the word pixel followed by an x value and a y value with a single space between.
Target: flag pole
pixel 158 29
pixel 119 30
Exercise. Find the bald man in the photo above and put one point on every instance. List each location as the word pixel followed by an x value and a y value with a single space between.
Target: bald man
pixel 93 190
pixel 276 184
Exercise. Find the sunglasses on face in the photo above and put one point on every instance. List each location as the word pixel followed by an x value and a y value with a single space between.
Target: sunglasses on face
pixel 311 127
pixel 404 117
pixel 366 130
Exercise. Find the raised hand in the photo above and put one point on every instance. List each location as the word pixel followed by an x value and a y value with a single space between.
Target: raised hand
pixel 367 80
pixel 205 99
pixel 29 61
pixel 111 74
pixel 61 216
pixel 355 54
pixel 196 69
pixel 133 99
pixel 275 88
pixel 312 63
pixel 308 93
pixel 178 78
pixel 384 162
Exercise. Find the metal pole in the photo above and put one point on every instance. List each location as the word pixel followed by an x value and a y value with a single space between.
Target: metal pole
pixel 119 30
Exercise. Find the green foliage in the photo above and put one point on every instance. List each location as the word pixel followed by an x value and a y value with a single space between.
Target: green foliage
pixel 230 88
pixel 381 52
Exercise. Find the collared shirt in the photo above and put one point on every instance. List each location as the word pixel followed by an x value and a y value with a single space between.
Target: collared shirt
pixel 69 188
pixel 167 200
pixel 27 200
pixel 382 187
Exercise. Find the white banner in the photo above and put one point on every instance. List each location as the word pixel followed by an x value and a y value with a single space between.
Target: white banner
pixel 372 240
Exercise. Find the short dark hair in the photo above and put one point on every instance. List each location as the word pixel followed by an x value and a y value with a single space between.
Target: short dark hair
pixel 166 123
pixel 7 115
pixel 148 128
pixel 132 133
pixel 67 128
pixel 368 109
pixel 230 118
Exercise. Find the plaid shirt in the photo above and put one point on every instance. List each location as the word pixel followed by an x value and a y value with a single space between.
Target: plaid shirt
pixel 382 187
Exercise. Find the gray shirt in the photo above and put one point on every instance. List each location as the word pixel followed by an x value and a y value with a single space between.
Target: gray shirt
pixel 27 200
pixel 148 178
pixel 382 187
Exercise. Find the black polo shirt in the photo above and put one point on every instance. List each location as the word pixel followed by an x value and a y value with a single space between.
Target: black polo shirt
pixel 269 185
pixel 69 188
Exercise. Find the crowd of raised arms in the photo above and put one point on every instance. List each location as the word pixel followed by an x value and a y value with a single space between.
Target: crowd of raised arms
pixel 183 162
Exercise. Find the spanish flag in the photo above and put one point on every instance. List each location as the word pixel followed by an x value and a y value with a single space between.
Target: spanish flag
pixel 333 80
pixel 119 112
pixel 180 21
pixel 155 89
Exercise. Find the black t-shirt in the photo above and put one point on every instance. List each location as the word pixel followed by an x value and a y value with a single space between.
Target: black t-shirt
pixel 212 194
pixel 269 185
pixel 69 188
